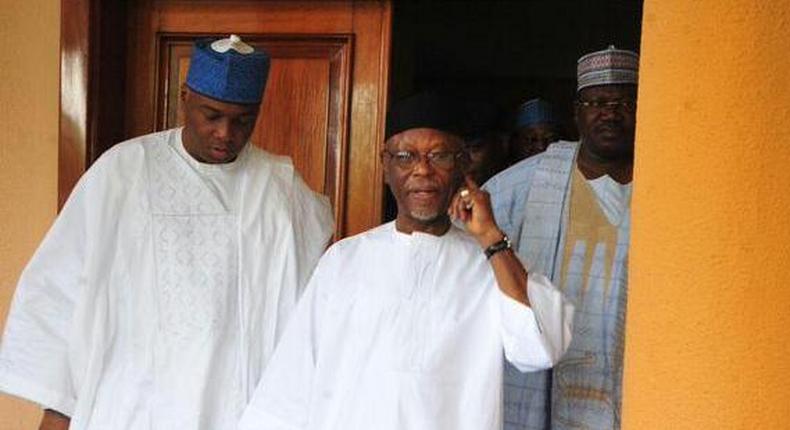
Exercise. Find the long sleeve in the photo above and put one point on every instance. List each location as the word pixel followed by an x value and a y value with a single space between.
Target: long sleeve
pixel 34 358
pixel 313 225
pixel 283 396
pixel 535 337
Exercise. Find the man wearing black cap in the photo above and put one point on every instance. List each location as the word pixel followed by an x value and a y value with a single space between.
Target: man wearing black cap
pixel 404 326
pixel 158 295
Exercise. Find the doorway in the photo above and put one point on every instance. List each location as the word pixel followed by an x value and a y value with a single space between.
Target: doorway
pixel 505 52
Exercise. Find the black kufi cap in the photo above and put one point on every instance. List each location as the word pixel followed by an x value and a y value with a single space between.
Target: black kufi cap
pixel 425 110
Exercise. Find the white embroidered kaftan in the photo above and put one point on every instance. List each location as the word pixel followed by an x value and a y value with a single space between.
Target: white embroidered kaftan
pixel 156 299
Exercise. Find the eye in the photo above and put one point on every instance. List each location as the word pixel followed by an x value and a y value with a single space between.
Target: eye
pixel 403 156
pixel 441 157
pixel 245 120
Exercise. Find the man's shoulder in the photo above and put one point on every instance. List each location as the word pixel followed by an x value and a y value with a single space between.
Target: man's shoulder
pixel 261 159
pixel 362 244
pixel 367 237
pixel 281 180
pixel 518 177
pixel 515 178
pixel 134 149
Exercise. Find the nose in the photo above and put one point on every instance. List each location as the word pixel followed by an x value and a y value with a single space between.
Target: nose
pixel 422 166
pixel 222 131
pixel 611 113
pixel 612 109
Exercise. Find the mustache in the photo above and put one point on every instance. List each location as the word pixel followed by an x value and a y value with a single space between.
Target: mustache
pixel 609 125
pixel 421 186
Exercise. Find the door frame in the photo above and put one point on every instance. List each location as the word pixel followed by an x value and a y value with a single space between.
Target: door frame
pixel 91 56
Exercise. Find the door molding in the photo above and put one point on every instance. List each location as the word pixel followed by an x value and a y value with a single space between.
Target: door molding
pixel 92 52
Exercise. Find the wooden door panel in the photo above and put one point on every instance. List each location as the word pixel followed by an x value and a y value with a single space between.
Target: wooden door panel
pixel 294 116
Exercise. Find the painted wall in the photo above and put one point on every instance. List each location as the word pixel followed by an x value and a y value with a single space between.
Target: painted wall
pixel 708 318
pixel 30 35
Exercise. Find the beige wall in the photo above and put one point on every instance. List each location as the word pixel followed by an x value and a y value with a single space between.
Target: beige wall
pixel 30 35
pixel 708 315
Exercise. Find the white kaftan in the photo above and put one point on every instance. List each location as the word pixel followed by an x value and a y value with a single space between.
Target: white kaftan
pixel 157 297
pixel 400 331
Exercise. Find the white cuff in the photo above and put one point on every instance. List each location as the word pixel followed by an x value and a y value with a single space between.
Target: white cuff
pixel 535 337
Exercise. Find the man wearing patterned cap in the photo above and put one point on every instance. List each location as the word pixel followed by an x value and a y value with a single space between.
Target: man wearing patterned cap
pixel 157 297
pixel 404 326
pixel 568 213
pixel 534 129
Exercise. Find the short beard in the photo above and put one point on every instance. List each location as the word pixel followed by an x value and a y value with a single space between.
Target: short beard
pixel 425 216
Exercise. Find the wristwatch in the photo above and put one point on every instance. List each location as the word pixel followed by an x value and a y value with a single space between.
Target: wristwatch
pixel 498 246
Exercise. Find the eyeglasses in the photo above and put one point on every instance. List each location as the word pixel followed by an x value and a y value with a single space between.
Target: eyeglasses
pixel 407 160
pixel 601 105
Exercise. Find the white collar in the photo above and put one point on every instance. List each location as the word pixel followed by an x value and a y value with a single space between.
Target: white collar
pixel 613 197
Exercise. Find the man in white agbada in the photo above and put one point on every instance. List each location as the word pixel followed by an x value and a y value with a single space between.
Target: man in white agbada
pixel 405 326
pixel 567 211
pixel 156 298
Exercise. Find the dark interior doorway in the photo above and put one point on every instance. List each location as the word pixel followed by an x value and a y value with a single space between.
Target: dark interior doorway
pixel 505 52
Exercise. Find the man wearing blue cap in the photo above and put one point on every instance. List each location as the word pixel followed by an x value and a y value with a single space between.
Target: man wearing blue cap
pixel 534 130
pixel 158 295
pixel 568 213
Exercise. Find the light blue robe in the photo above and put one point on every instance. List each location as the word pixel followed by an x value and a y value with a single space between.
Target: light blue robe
pixel 583 391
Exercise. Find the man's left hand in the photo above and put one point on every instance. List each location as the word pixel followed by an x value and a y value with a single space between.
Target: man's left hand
pixel 472 206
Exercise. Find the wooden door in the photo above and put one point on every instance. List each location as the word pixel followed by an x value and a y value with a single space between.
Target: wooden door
pixel 325 100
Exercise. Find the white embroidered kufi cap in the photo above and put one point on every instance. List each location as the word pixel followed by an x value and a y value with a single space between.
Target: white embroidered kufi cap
pixel 607 67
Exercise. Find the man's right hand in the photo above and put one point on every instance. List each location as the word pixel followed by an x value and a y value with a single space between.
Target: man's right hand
pixel 54 420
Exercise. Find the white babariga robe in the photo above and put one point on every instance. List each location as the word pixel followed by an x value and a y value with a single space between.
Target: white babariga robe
pixel 399 331
pixel 576 231
pixel 158 295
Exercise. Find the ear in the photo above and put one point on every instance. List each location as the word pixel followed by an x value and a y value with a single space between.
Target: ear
pixel 182 93
pixel 384 166
pixel 384 169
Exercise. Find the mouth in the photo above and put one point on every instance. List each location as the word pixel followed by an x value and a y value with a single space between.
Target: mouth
pixel 423 194
pixel 609 132
pixel 609 128
pixel 219 152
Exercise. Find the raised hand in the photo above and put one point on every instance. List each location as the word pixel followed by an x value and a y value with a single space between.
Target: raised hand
pixel 472 206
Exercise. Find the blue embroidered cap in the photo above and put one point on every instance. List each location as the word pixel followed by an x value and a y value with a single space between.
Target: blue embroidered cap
pixel 228 70
pixel 535 111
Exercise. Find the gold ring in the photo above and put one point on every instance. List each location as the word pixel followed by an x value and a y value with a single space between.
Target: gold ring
pixel 464 193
